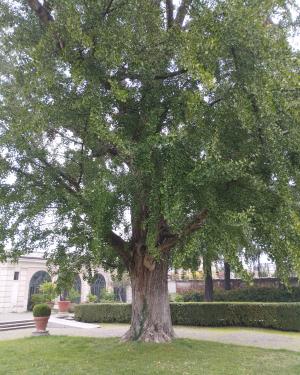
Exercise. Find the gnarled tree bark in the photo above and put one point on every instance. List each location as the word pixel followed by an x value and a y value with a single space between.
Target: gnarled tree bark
pixel 151 318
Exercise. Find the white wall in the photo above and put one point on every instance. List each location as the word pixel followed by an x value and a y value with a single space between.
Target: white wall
pixel 14 293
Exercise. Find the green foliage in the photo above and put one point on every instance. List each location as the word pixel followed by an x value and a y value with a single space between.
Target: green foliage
pixel 65 280
pixel 282 316
pixel 109 112
pixel 73 295
pixel 175 297
pixel 192 296
pixel 41 310
pixel 47 293
pixel 49 290
pixel 91 298
pixel 38 298
pixel 247 295
pixel 107 296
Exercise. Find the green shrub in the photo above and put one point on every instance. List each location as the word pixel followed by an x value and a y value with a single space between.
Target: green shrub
pixel 49 290
pixel 41 309
pixel 91 298
pixel 192 296
pixel 38 298
pixel 73 295
pixel 175 297
pixel 107 297
pixel 103 312
pixel 282 316
pixel 253 294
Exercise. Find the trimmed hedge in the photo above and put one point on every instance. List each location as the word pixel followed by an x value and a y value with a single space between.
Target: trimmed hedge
pixel 282 316
pixel 246 295
pixel 103 312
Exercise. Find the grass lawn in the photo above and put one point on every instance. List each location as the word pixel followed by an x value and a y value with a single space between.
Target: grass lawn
pixel 83 355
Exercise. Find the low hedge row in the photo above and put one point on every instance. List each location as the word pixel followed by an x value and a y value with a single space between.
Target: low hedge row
pixel 252 294
pixel 282 316
pixel 103 312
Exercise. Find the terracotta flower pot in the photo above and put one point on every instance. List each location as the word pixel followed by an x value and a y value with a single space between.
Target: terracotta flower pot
pixel 63 306
pixel 41 322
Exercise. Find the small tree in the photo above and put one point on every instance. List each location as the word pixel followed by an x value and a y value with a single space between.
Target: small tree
pixel 64 284
pixel 143 133
pixel 49 290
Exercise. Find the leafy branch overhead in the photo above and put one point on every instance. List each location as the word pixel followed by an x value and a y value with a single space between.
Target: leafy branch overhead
pixel 148 128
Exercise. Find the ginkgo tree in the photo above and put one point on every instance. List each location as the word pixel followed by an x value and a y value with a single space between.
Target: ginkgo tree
pixel 143 133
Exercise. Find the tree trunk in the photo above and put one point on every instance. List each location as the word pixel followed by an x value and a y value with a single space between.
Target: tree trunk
pixel 209 286
pixel 227 282
pixel 151 318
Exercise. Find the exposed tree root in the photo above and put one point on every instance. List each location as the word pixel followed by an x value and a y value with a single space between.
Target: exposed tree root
pixel 149 334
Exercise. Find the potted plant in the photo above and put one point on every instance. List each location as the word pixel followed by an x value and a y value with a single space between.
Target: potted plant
pixel 64 305
pixel 64 284
pixel 49 291
pixel 41 314
pixel 36 299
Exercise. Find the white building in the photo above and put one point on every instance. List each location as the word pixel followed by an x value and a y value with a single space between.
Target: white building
pixel 18 281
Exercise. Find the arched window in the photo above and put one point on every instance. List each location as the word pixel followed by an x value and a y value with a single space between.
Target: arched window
pixel 98 285
pixel 37 279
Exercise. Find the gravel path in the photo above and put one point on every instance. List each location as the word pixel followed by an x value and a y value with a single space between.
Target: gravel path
pixel 240 336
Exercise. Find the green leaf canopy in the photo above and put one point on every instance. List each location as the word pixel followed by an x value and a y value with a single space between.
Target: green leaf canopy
pixel 129 125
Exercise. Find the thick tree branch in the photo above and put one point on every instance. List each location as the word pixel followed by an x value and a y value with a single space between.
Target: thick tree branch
pixel 28 176
pixel 41 11
pixel 171 74
pixel 81 165
pixel 44 15
pixel 211 104
pixel 182 12
pixel 169 11
pixel 69 181
pixel 169 240
pixel 106 149
pixel 119 245
pixel 107 8
pixel 125 74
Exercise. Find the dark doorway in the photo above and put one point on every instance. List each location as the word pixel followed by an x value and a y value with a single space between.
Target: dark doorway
pixel 37 279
